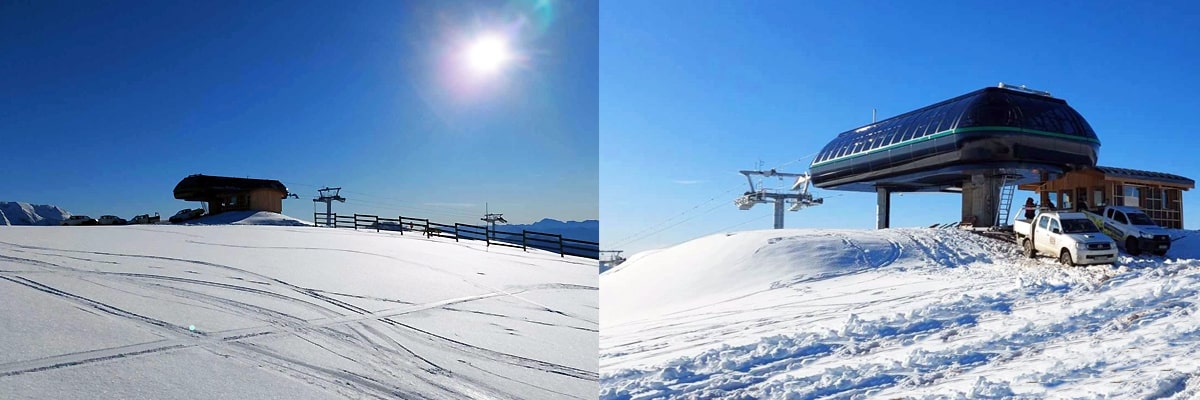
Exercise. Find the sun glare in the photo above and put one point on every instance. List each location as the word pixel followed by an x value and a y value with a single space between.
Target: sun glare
pixel 488 54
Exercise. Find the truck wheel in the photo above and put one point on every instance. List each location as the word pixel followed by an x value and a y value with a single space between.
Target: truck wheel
pixel 1027 248
pixel 1131 246
pixel 1065 258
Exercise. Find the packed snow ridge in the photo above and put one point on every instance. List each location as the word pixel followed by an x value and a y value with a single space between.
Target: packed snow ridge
pixel 283 312
pixel 248 218
pixel 18 213
pixel 807 314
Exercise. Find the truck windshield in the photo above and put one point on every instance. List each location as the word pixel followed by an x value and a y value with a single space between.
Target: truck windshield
pixel 1079 226
pixel 1140 219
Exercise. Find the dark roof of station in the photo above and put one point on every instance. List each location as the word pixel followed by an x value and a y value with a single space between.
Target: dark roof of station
pixel 203 187
pixel 991 108
pixel 1145 175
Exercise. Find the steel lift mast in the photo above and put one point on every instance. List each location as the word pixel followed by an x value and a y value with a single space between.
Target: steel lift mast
pixel 492 218
pixel 327 196
pixel 802 198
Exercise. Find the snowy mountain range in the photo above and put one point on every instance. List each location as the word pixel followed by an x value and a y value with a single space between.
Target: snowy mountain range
pixel 588 230
pixel 18 213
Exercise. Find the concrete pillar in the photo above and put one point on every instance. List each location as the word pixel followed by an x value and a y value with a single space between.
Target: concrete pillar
pixel 883 208
pixel 981 199
pixel 779 213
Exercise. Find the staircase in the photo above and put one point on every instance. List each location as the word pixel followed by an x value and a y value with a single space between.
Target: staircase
pixel 1007 189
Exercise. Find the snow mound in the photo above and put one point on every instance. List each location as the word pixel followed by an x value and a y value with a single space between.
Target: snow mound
pixel 898 313
pixel 18 213
pixel 724 266
pixel 249 218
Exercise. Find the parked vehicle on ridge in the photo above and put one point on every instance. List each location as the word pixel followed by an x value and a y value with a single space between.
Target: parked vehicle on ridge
pixel 1070 236
pixel 111 220
pixel 76 220
pixel 1132 229
pixel 186 214
pixel 145 219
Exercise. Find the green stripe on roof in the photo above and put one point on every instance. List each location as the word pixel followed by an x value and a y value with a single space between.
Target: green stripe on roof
pixel 960 130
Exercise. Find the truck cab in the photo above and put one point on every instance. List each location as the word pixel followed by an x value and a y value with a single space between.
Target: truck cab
pixel 1070 236
pixel 1132 229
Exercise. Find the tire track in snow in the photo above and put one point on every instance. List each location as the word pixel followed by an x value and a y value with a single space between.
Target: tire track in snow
pixel 363 316
pixel 193 339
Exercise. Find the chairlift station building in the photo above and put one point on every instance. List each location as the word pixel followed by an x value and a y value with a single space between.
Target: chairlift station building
pixel 223 193
pixel 987 143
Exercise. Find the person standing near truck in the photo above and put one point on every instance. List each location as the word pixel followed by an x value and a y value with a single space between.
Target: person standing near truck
pixel 1030 208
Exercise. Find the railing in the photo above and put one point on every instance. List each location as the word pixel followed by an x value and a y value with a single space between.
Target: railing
pixel 524 240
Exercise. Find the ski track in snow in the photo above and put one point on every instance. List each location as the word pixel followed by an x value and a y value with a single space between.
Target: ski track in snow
pixel 918 312
pixel 375 340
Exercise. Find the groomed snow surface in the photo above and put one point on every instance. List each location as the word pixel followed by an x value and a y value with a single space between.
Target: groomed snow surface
pixel 280 312
pixel 899 313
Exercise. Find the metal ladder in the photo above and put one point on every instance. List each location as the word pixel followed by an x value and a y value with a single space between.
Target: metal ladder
pixel 1006 195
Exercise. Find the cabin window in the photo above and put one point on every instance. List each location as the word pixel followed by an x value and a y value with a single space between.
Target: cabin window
pixel 1054 225
pixel 1132 196
pixel 1120 217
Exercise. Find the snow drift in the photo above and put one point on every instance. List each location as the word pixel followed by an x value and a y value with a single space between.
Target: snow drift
pixel 804 314
pixel 18 213
pixel 249 312
pixel 249 218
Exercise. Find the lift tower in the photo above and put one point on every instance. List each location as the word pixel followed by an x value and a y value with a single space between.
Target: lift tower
pixel 492 219
pixel 327 196
pixel 802 198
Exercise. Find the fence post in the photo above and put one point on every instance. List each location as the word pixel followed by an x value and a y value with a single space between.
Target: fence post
pixel 400 220
pixel 524 247
pixel 561 253
pixel 455 231
pixel 333 222
pixel 315 219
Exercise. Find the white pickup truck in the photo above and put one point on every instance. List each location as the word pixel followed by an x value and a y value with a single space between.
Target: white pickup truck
pixel 1070 236
pixel 1132 229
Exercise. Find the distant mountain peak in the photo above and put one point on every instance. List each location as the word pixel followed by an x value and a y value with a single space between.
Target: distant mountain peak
pixel 588 230
pixel 21 213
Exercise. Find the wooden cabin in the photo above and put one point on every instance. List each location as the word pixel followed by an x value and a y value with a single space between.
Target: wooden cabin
pixel 223 193
pixel 1159 194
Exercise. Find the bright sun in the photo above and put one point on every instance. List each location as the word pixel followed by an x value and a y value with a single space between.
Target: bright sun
pixel 487 54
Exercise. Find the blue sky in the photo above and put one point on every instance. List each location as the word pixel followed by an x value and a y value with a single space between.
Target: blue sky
pixel 691 92
pixel 105 106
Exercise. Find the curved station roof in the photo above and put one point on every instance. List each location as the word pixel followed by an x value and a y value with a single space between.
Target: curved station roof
pixel 206 187
pixel 995 130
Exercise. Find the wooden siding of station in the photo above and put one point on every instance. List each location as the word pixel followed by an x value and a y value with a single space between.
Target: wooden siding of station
pixel 1087 185
pixel 267 200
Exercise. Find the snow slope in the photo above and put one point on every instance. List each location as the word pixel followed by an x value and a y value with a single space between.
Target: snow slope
pixel 18 213
pixel 806 314
pixel 277 312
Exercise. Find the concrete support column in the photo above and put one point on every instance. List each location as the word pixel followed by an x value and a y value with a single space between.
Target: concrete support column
pixel 981 199
pixel 883 208
pixel 778 213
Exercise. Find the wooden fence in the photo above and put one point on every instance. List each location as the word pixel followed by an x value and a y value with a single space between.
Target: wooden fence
pixel 524 240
